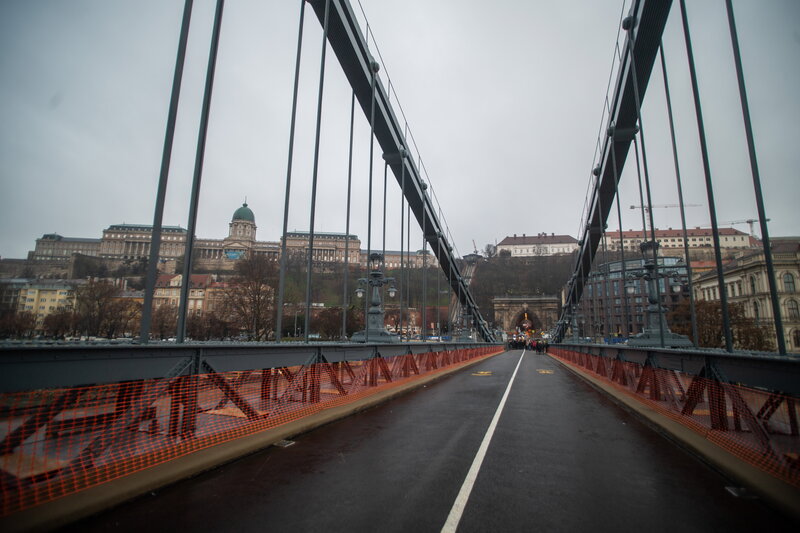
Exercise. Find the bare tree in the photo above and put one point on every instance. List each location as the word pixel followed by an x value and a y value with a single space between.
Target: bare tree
pixel 329 322
pixel 94 303
pixel 59 323
pixel 16 324
pixel 207 326
pixel 164 321
pixel 249 299
pixel 123 317
pixel 747 333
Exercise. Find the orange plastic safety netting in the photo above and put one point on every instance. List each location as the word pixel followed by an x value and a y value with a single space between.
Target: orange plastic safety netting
pixel 758 426
pixel 58 441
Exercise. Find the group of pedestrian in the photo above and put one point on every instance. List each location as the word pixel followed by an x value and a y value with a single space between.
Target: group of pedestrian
pixel 537 345
pixel 521 342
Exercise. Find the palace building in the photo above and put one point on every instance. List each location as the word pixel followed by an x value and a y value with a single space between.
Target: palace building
pixel 131 242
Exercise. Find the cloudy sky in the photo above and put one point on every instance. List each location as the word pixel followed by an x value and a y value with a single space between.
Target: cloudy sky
pixel 504 99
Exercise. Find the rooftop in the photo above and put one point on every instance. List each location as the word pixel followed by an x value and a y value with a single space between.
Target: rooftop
pixel 690 232
pixel 144 227
pixel 541 238
pixel 323 234
pixel 57 237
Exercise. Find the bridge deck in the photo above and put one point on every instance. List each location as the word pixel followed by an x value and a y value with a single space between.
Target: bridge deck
pixel 563 458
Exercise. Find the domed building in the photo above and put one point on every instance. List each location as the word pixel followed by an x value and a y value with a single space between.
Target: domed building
pixel 241 233
pixel 131 242
pixel 213 254
pixel 242 222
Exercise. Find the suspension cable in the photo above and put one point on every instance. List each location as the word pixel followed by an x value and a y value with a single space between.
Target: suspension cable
pixel 692 309
pixel 712 210
pixel 408 263
pixel 623 291
pixel 198 173
pixel 402 227
pixel 374 71
pixel 345 292
pixel 424 277
pixel 158 215
pixel 282 274
pixel 762 213
pixel 314 175
pixel 638 102
pixel 385 179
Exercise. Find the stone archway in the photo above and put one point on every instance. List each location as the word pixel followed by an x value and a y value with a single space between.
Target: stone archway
pixel 527 319
pixel 543 311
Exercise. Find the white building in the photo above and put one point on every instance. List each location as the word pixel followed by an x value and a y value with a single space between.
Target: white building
pixel 673 238
pixel 537 245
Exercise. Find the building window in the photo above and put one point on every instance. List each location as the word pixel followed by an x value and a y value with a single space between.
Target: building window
pixel 792 310
pixel 788 282
pixel 756 311
pixel 796 338
pixel 752 284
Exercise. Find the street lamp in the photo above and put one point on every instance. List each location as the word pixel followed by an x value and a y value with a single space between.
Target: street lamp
pixel 572 319
pixel 656 332
pixel 376 329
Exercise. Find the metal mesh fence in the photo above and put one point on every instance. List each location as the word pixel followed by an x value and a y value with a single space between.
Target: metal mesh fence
pixel 758 426
pixel 58 441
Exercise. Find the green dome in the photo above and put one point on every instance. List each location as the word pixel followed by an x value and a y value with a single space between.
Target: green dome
pixel 244 213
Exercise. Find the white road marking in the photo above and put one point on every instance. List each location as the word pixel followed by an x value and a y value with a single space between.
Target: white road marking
pixel 466 488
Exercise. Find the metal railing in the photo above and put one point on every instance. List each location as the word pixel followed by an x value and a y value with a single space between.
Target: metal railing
pixel 72 419
pixel 745 403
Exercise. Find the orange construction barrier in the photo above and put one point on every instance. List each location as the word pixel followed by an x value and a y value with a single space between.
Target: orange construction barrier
pixel 758 426
pixel 59 441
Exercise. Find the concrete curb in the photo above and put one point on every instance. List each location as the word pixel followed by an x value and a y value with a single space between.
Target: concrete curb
pixel 775 492
pixel 73 507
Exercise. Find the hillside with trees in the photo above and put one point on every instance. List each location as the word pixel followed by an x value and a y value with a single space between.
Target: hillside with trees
pixel 502 275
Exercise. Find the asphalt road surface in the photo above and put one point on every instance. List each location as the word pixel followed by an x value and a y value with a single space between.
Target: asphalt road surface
pixel 562 457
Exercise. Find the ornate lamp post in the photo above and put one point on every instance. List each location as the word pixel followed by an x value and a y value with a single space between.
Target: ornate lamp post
pixel 465 333
pixel 656 332
pixel 376 330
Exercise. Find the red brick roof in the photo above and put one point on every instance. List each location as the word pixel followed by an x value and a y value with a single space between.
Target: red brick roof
pixel 661 233
pixel 542 238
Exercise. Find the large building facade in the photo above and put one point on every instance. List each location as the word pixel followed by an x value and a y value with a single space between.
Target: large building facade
pixel 132 242
pixel 746 282
pixel 729 238
pixel 53 246
pixel 538 245
pixel 328 247
pixel 613 306
pixel 42 298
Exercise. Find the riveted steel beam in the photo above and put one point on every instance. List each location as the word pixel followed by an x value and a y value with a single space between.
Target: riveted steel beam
pixel 350 46
pixel 649 18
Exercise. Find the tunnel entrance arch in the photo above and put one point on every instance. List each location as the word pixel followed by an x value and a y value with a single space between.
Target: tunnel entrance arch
pixel 510 311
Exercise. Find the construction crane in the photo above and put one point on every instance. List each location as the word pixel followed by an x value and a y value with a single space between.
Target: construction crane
pixel 646 208
pixel 750 221
pixel 476 247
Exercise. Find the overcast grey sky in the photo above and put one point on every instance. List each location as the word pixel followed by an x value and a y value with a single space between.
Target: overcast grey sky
pixel 504 100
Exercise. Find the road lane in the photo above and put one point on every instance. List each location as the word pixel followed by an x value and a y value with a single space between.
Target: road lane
pixel 566 458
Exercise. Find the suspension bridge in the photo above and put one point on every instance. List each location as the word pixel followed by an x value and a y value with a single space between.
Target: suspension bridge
pixel 451 435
